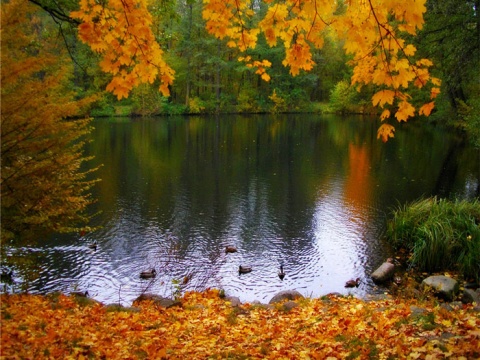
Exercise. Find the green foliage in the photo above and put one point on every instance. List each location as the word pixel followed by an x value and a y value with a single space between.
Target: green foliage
pixel 195 106
pixel 470 114
pixel 43 188
pixel 279 103
pixel 441 234
pixel 343 97
pixel 450 38
pixel 247 101
pixel 170 108
pixel 146 100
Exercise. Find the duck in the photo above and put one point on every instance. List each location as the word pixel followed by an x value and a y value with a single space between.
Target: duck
pixel 281 274
pixel 244 269
pixel 352 283
pixel 148 274
pixel 79 293
pixel 93 245
pixel 7 277
pixel 230 249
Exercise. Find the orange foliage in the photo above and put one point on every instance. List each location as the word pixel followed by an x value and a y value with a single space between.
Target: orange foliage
pixel 120 31
pixel 43 186
pixel 205 326
pixel 374 32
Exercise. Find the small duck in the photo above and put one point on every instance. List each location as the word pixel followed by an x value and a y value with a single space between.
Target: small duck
pixel 80 293
pixel 230 249
pixel 352 283
pixel 149 274
pixel 281 274
pixel 244 269
pixel 93 245
pixel 7 277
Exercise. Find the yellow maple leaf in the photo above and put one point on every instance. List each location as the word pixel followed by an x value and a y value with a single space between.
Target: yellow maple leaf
pixel 434 92
pixel 385 114
pixel 410 50
pixel 383 96
pixel 405 110
pixel 385 131
pixel 436 81
pixel 426 109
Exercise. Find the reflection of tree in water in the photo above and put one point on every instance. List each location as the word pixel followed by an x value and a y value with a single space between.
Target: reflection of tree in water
pixel 175 192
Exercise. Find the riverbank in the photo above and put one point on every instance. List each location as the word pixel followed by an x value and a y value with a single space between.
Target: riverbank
pixel 205 325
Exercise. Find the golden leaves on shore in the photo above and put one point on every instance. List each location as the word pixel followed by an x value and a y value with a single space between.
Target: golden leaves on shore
pixel 206 326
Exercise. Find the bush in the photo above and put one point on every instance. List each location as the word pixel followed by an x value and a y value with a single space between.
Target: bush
pixel 279 103
pixel 342 98
pixel 440 234
pixel 195 105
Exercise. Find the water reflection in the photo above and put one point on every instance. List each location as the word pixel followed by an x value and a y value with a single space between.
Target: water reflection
pixel 308 192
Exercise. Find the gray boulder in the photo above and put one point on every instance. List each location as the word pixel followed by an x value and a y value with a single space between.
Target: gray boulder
pixel 234 301
pixel 443 286
pixel 471 296
pixel 384 272
pixel 286 295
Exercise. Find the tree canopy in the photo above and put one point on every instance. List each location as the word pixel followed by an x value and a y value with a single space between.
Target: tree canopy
pixel 375 33
pixel 42 184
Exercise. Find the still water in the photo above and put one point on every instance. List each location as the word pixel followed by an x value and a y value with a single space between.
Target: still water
pixel 310 192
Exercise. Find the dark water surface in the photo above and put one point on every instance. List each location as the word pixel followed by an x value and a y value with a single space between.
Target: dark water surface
pixel 310 192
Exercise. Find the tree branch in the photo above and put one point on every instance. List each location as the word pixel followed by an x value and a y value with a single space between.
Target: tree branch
pixel 58 14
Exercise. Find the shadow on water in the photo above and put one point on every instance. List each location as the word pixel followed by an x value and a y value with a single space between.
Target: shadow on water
pixel 307 191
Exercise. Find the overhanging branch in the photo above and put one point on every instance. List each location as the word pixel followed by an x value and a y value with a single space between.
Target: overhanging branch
pixel 56 13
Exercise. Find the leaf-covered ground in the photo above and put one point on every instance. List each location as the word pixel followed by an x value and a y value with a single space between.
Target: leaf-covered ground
pixel 208 327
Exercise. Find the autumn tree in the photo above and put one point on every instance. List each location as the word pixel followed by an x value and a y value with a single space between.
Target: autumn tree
pixel 42 185
pixel 374 34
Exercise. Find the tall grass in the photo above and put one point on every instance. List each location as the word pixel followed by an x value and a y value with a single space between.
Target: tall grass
pixel 440 234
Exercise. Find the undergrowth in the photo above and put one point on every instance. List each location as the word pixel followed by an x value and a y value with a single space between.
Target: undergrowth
pixel 440 234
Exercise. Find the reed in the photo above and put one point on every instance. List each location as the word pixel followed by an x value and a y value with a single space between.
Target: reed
pixel 440 234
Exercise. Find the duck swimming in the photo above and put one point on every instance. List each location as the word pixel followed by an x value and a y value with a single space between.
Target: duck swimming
pixel 244 269
pixel 352 283
pixel 230 249
pixel 281 274
pixel 149 274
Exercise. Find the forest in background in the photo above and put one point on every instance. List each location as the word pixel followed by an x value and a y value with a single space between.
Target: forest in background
pixel 210 79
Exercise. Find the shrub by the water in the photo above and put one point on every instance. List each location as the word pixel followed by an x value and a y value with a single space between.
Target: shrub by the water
pixel 440 234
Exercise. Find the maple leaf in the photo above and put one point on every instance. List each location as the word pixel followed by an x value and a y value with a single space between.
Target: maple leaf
pixel 383 96
pixel 385 131
pixel 410 50
pixel 434 93
pixel 405 110
pixel 426 109
pixel 385 114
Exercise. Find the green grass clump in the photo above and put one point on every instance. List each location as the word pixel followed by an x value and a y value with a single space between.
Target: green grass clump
pixel 440 234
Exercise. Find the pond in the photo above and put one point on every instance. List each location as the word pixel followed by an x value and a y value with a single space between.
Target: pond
pixel 311 192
